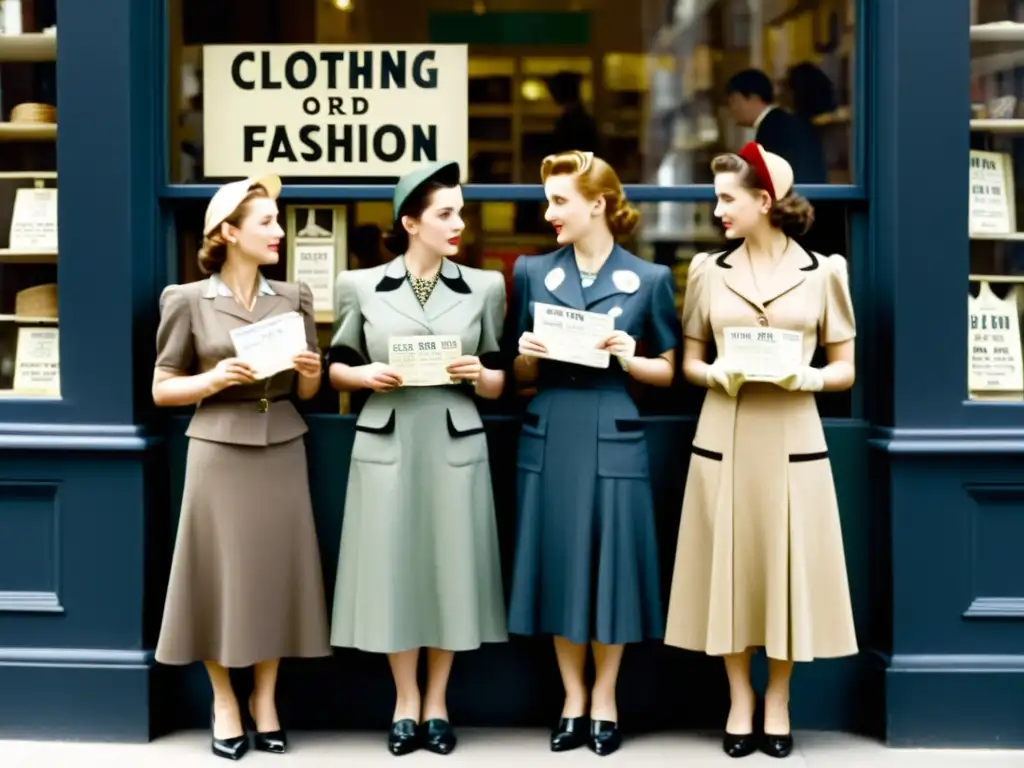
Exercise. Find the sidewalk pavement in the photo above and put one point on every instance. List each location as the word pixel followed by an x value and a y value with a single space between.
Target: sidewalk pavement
pixel 484 748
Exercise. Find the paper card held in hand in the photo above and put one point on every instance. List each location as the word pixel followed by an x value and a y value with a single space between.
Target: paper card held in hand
pixel 763 354
pixel 572 335
pixel 422 361
pixel 270 345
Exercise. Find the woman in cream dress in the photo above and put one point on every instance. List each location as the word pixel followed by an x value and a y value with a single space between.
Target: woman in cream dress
pixel 760 558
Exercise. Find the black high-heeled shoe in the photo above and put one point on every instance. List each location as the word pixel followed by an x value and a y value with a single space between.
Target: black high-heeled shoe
pixel 231 749
pixel 438 736
pixel 739 745
pixel 571 733
pixel 775 745
pixel 274 742
pixel 404 737
pixel 605 737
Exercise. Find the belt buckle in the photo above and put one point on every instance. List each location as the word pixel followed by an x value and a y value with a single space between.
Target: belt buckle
pixel 263 406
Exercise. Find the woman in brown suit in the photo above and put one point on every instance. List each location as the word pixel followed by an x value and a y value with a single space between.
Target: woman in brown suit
pixel 245 586
pixel 760 558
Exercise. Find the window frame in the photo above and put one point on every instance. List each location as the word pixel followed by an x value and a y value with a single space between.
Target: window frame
pixel 855 194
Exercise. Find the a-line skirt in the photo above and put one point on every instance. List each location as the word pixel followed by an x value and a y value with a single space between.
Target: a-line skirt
pixel 245 584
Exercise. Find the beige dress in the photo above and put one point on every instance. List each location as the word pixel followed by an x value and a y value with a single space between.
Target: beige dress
pixel 760 561
pixel 245 581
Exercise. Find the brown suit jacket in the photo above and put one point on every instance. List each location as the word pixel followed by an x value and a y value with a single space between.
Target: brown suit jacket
pixel 195 322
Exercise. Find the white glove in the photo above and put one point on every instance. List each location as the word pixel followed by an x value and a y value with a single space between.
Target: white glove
pixel 724 376
pixel 804 379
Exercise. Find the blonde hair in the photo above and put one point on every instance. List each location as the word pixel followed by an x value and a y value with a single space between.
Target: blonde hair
pixel 214 251
pixel 595 178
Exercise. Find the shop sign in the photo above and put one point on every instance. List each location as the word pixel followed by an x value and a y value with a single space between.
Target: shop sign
pixel 333 110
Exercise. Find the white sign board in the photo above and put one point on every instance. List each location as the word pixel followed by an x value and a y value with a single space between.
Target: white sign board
pixel 333 110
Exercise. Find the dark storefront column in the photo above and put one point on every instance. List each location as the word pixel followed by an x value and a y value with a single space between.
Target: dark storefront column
pixel 73 472
pixel 949 471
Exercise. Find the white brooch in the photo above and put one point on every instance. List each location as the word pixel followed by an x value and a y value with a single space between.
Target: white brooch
pixel 626 280
pixel 614 311
pixel 554 278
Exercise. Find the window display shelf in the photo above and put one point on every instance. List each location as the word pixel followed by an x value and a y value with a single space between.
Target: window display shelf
pixel 34 46
pixel 28 131
pixel 10 256
pixel 997 125
pixel 998 32
pixel 28 320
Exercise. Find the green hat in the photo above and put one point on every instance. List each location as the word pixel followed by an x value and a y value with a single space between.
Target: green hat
pixel 446 172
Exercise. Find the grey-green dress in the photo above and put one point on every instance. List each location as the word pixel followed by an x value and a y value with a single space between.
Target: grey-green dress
pixel 419 563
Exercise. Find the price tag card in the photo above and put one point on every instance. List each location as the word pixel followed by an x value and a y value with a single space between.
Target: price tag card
pixel 270 345
pixel 572 335
pixel 422 361
pixel 763 354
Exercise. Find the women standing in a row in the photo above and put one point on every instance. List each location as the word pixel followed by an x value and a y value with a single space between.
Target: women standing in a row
pixel 245 587
pixel 760 559
pixel 586 566
pixel 419 564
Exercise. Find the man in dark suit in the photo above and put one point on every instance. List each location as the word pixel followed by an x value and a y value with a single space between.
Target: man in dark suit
pixel 751 100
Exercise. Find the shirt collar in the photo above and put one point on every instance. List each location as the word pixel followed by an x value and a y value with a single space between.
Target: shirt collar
pixel 219 288
pixel 761 117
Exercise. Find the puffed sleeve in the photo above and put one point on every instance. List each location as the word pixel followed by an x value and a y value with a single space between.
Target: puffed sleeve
pixel 663 324
pixel 308 316
pixel 347 343
pixel 175 348
pixel 492 321
pixel 696 316
pixel 836 323
pixel 517 320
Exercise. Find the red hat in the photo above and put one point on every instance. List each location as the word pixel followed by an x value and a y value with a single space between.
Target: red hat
pixel 774 173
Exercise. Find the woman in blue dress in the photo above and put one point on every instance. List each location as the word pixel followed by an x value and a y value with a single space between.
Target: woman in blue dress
pixel 586 564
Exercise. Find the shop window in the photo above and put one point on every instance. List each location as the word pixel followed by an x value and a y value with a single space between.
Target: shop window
pixel 996 294
pixel 29 344
pixel 646 85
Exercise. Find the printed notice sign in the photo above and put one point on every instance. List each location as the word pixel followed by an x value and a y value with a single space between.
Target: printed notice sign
pixel 270 345
pixel 762 353
pixel 422 361
pixel 37 364
pixel 572 335
pixel 333 110
pixel 993 345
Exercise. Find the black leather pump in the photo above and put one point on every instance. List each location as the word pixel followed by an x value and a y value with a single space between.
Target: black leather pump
pixel 275 742
pixel 605 737
pixel 571 733
pixel 775 745
pixel 739 745
pixel 439 736
pixel 404 737
pixel 231 749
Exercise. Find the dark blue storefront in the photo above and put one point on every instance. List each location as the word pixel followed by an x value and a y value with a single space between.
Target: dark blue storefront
pixel 933 504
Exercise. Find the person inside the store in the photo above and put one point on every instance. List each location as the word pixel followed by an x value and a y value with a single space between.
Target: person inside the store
pixel 760 561
pixel 586 561
pixel 419 565
pixel 245 587
pixel 575 128
pixel 751 100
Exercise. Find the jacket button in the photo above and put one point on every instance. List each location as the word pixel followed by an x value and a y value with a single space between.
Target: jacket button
pixel 762 320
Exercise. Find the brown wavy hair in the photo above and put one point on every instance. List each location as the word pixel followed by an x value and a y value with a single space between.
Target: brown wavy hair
pixel 793 214
pixel 214 251
pixel 595 178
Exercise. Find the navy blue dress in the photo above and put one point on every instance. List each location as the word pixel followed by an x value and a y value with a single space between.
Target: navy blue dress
pixel 586 564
